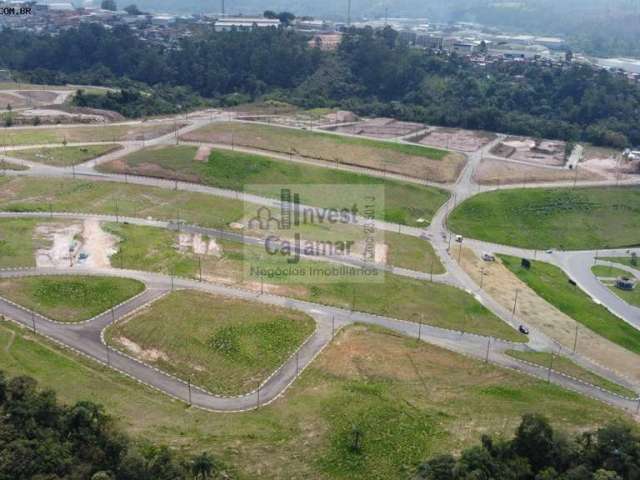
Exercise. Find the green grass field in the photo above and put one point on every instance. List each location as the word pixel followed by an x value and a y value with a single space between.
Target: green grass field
pixel 553 285
pixel 109 133
pixel 569 219
pixel 406 159
pixel 36 194
pixel 227 346
pixel 412 253
pixel 64 156
pixel 152 249
pixel 410 399
pixel 606 271
pixel 569 367
pixel 405 203
pixel 628 261
pixel 69 298
pixel 18 242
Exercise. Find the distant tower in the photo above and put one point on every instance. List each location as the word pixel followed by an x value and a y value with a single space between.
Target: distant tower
pixel 348 13
pixel 222 7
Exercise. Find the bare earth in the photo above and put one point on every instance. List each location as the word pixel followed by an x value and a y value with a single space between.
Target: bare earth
pixel 68 241
pixel 497 172
pixel 532 310
pixel 458 139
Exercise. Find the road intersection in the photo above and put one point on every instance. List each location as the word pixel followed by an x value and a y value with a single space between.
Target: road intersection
pixel 88 339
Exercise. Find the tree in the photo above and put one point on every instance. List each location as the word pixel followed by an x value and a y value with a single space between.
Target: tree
pixel 133 10
pixel 534 441
pixel 203 466
pixel 286 18
pixel 270 14
pixel 109 5
pixel 568 56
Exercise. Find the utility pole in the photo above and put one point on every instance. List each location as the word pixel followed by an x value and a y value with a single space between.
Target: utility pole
pixel 575 340
pixel 223 8
pixel 550 368
pixel 486 358
pixel 348 13
pixel 515 304
pixel 481 277
pixel 189 385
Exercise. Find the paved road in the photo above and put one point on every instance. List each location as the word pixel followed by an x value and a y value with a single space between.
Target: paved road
pixel 157 285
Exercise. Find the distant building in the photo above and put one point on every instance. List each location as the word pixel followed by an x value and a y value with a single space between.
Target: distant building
pixel 432 42
pixel 229 23
pixel 326 41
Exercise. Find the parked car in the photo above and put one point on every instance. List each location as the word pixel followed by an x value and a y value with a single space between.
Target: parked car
pixel 487 257
pixel 459 238
pixel 523 329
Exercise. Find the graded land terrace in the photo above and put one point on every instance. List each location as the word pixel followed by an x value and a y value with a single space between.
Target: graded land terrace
pixel 405 159
pixel 42 195
pixel 224 345
pixel 412 400
pixel 69 299
pixel 152 249
pixel 566 219
pixel 58 135
pixel 64 156
pixel 405 203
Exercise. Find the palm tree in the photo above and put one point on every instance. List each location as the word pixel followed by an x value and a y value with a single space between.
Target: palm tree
pixel 203 466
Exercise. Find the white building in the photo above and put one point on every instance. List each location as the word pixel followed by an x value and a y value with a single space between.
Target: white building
pixel 228 23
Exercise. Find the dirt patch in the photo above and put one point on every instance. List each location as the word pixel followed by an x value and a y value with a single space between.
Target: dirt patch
pixel 543 152
pixel 136 350
pixel 498 172
pixel 610 163
pixel 457 139
pixel 198 244
pixel 14 101
pixel 380 128
pixel 63 241
pixel 39 96
pixel 532 310
pixel 381 254
pixel 97 244
pixel 202 155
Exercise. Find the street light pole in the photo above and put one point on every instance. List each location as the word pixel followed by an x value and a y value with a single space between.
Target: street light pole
pixel 515 304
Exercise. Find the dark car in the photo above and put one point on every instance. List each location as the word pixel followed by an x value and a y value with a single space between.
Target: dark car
pixel 523 329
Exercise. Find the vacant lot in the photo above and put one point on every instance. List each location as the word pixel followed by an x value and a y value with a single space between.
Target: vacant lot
pixel 399 297
pixel 64 156
pixel 69 298
pixel 410 400
pixel 37 194
pixel 568 219
pixel 498 172
pixel 109 133
pixel 411 160
pixel 553 285
pixel 464 140
pixel 405 203
pixel 568 367
pixel 18 242
pixel 227 346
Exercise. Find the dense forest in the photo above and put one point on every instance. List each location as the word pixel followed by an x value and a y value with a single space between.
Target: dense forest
pixel 537 452
pixel 372 73
pixel 42 439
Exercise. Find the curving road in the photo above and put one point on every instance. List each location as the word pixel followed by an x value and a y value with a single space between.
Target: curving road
pixel 86 338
